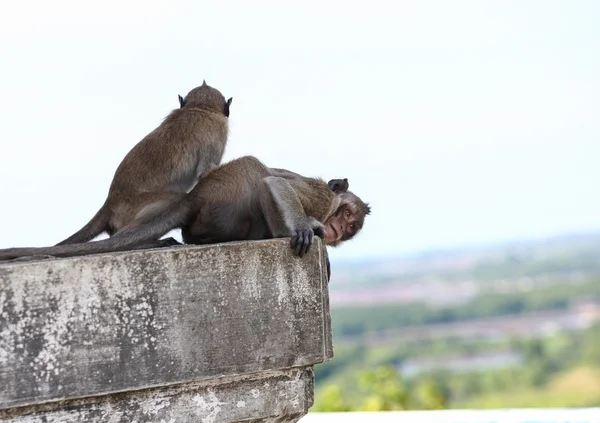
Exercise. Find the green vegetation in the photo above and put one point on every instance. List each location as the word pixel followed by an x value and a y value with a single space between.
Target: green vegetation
pixel 356 321
pixel 558 371
pixel 537 351
pixel 384 391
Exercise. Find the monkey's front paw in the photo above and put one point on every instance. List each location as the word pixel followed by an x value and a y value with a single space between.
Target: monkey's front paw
pixel 301 241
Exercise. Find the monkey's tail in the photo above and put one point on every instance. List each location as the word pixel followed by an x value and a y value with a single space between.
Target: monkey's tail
pixel 127 239
pixel 97 225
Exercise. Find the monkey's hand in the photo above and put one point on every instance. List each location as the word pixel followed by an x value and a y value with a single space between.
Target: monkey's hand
pixel 303 236
pixel 301 241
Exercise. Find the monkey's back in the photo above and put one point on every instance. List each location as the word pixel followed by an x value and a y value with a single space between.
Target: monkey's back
pixel 228 207
pixel 168 157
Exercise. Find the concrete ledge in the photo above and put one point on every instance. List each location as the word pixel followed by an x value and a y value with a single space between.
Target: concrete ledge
pixel 280 395
pixel 103 324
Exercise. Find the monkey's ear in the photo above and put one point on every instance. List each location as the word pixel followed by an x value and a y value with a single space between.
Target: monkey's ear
pixel 181 101
pixel 226 108
pixel 339 185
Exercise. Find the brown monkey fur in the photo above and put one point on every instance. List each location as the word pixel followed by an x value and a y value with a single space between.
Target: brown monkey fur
pixel 239 200
pixel 166 163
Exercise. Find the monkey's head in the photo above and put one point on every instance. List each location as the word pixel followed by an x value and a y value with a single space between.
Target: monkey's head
pixel 206 96
pixel 348 218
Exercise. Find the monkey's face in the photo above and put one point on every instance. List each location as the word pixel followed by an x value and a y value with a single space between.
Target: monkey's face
pixel 347 220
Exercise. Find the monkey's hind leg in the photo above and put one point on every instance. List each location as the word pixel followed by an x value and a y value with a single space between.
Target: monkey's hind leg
pixel 152 208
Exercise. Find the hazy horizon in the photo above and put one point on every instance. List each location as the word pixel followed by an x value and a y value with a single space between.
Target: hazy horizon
pixel 460 123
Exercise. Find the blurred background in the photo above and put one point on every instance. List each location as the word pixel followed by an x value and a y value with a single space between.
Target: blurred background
pixel 470 127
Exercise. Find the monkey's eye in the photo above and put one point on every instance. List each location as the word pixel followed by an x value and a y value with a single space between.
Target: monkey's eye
pixel 352 227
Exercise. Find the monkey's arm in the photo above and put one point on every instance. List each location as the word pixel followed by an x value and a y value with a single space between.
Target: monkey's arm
pixel 288 217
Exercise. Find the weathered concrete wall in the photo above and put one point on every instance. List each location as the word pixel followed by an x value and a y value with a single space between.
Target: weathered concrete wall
pixel 146 320
pixel 275 396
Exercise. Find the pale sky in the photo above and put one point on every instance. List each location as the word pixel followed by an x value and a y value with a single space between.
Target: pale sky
pixel 460 122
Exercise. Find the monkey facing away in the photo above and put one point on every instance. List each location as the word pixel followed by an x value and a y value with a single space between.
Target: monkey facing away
pixel 239 200
pixel 166 163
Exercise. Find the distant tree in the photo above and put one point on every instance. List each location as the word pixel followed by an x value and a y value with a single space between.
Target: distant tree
pixel 385 390
pixel 431 396
pixel 591 349
pixel 534 351
pixel 331 399
pixel 472 384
